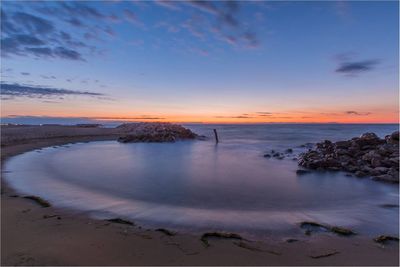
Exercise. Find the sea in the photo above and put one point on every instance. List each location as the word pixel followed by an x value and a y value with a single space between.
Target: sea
pixel 197 186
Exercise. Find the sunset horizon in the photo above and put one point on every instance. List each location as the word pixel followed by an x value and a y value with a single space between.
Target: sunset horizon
pixel 200 61
pixel 199 133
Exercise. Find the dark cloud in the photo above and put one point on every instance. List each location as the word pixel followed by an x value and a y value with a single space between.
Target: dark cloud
pixel 65 36
pixel 144 117
pixel 25 73
pixel 24 39
pixel 81 9
pixel 352 112
pixel 172 5
pixel 234 117
pixel 24 33
pixel 76 22
pixel 9 46
pixel 6 25
pixel 354 68
pixel 33 24
pixel 206 6
pixel 40 51
pixel 63 52
pixel 48 77
pixel 13 44
pixel 130 16
pixel 18 90
pixel 264 113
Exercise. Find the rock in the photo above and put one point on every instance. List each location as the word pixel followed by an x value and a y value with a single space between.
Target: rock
pixel 343 144
pixel 392 138
pixel 267 155
pixel 367 155
pixel 153 132
pixel 289 151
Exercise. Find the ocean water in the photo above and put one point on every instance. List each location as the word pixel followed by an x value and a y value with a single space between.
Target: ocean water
pixel 194 186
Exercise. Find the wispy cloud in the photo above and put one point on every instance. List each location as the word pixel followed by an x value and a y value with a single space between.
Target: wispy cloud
pixel 350 66
pixel 352 112
pixel 354 68
pixel 172 5
pixel 14 90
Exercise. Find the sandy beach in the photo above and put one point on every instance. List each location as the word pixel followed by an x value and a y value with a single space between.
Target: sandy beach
pixel 33 235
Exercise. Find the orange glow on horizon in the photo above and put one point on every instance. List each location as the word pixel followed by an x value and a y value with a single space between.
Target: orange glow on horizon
pixel 242 119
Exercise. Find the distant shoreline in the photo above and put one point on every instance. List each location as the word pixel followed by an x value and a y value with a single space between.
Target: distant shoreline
pixel 32 235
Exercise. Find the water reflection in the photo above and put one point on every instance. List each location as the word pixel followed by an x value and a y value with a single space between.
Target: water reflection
pixel 194 185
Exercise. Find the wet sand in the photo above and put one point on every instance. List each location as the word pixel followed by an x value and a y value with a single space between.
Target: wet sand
pixel 33 235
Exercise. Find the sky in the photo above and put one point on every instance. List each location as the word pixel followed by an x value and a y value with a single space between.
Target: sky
pixel 201 61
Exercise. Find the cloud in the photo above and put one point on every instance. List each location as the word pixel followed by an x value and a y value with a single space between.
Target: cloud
pixel 143 117
pixel 25 73
pixel 251 39
pixel 351 112
pixel 9 90
pixel 33 24
pixel 353 68
pixel 234 117
pixel 130 16
pixel 206 6
pixel 48 77
pixel 24 39
pixel 82 10
pixel 76 22
pixel 25 33
pixel 167 4
pixel 67 53
pixel 342 8
pixel 40 51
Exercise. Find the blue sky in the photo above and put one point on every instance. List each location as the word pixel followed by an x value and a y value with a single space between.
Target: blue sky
pixel 202 61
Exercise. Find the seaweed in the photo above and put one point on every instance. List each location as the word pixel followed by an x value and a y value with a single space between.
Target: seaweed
pixel 39 200
pixel 384 238
pixel 166 231
pixel 389 205
pixel 333 229
pixel 341 231
pixel 325 255
pixel 247 246
pixel 205 236
pixel 121 221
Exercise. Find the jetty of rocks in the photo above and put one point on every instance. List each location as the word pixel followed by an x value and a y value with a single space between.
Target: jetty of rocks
pixel 153 132
pixel 367 155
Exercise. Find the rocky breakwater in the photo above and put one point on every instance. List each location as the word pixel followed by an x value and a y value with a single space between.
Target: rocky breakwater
pixel 153 132
pixel 367 155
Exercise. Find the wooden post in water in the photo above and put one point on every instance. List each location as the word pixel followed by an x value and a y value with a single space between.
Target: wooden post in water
pixel 216 136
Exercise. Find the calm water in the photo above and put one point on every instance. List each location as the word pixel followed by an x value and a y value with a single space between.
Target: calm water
pixel 197 185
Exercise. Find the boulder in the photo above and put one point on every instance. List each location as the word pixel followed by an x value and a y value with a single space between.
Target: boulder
pixel 153 132
pixel 367 155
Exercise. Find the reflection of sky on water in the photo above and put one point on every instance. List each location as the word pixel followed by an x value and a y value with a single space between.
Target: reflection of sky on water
pixel 195 185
